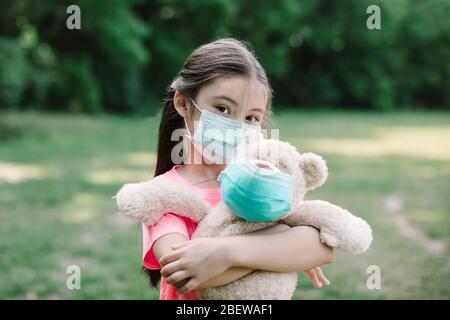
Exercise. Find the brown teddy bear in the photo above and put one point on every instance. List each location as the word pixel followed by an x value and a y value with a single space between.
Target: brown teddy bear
pixel 147 201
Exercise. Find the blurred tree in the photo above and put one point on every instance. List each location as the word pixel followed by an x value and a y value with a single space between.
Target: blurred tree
pixel 317 53
pixel 13 72
pixel 110 42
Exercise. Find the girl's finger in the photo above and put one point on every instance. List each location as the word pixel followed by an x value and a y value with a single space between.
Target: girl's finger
pixel 170 268
pixel 311 274
pixel 322 277
pixel 170 257
pixel 190 285
pixel 180 284
pixel 180 244
pixel 177 276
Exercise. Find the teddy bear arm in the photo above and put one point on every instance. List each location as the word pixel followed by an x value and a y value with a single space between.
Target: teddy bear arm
pixel 338 227
pixel 147 201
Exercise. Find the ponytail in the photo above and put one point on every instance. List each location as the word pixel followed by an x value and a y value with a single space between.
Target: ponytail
pixel 170 121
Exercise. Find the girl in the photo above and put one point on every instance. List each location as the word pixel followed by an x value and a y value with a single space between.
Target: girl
pixel 224 78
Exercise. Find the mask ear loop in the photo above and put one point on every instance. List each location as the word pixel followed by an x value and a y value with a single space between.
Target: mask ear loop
pixel 188 135
pixel 186 149
pixel 196 105
pixel 187 128
pixel 184 119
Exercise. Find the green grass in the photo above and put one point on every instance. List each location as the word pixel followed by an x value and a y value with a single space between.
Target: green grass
pixel 58 174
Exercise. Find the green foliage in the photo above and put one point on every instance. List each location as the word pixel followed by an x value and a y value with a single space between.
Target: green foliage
pixel 77 84
pixel 13 72
pixel 317 53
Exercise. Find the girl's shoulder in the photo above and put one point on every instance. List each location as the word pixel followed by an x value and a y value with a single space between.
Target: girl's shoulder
pixel 171 174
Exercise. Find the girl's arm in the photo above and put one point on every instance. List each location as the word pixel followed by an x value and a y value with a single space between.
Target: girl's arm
pixel 164 245
pixel 250 252
pixel 295 249
pixel 199 260
pixel 235 273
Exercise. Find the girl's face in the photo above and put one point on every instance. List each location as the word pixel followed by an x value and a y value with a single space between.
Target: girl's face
pixel 240 98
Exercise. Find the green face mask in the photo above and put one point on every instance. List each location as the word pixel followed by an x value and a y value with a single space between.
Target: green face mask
pixel 256 194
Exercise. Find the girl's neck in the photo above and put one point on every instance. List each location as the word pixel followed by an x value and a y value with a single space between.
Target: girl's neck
pixel 202 174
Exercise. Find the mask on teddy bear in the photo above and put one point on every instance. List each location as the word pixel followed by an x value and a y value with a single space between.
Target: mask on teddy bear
pixel 216 137
pixel 256 190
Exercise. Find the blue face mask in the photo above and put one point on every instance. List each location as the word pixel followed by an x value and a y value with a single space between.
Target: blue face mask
pixel 256 194
pixel 216 137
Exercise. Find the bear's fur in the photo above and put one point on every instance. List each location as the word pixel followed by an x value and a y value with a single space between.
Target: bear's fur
pixel 148 201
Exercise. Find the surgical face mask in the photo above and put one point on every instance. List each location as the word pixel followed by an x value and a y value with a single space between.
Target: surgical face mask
pixel 216 136
pixel 256 194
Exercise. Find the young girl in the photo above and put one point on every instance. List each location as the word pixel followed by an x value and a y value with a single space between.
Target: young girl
pixel 224 78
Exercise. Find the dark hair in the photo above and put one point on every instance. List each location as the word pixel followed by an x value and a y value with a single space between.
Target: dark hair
pixel 222 58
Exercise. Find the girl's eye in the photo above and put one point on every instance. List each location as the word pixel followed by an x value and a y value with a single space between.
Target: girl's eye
pixel 252 118
pixel 223 109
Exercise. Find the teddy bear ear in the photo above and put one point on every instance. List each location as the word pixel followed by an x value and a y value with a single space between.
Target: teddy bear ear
pixel 315 170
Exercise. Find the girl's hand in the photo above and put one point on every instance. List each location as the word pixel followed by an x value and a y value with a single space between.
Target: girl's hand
pixel 193 262
pixel 317 277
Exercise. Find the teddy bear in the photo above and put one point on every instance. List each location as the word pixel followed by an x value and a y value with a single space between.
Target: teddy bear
pixel 147 201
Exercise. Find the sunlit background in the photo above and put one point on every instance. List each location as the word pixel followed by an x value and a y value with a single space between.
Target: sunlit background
pixel 79 111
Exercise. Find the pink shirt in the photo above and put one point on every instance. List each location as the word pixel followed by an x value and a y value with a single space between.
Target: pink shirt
pixel 173 223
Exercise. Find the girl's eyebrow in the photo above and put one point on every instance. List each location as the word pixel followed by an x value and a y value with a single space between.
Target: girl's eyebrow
pixel 257 109
pixel 226 98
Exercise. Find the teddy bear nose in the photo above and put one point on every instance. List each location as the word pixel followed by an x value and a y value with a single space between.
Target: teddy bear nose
pixel 263 165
